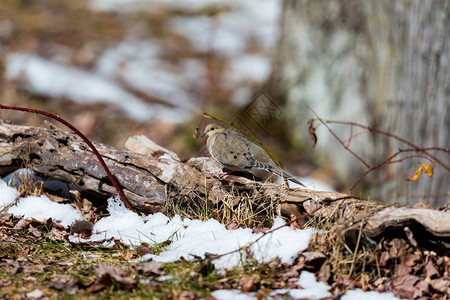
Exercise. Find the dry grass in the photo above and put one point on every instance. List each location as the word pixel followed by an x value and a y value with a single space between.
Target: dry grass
pixel 352 255
pixel 242 207
pixel 27 184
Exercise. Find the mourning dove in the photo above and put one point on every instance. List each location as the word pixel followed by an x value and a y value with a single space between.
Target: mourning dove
pixel 236 152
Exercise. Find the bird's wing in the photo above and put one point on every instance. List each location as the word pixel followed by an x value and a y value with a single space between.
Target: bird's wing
pixel 231 150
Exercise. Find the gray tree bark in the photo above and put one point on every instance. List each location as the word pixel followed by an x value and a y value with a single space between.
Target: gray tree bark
pixel 385 64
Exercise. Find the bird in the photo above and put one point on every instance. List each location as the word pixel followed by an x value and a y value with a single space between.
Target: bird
pixel 235 151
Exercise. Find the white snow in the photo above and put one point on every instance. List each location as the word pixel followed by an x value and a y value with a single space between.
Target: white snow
pixel 232 294
pixel 49 78
pixel 41 208
pixel 196 238
pixel 7 194
pixel 250 68
pixel 359 294
pixel 229 32
pixel 137 63
pixel 310 288
pixel 206 33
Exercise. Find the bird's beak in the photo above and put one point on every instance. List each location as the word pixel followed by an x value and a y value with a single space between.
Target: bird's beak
pixel 203 134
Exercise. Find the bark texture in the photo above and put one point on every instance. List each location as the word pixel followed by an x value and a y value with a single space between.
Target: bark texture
pixel 385 64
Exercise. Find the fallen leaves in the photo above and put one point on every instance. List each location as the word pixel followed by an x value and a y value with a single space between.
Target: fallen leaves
pixel 398 265
pixel 33 252
pixel 150 268
pixel 404 286
pixel 108 275
pixel 441 285
pixel 65 283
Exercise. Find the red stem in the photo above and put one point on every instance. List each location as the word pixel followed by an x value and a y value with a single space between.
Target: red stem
pixel 389 160
pixel 324 122
pixel 85 139
pixel 424 150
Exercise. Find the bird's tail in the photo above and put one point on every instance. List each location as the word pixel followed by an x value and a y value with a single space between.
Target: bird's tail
pixel 292 178
pixel 277 171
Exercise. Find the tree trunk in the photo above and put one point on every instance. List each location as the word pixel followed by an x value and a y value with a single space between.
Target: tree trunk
pixel 385 64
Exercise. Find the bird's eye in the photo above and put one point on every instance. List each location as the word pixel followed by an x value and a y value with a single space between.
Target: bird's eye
pixel 212 128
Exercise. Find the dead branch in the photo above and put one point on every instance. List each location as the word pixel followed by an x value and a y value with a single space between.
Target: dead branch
pixel 149 181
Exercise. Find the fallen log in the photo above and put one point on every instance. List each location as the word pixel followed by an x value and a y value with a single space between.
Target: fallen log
pixel 149 181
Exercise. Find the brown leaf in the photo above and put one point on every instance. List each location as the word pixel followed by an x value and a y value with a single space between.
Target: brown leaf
pixel 247 283
pixel 58 234
pixel 324 272
pixel 36 268
pixel 422 286
pixel 143 248
pixel 232 225
pixel 442 285
pixel 150 267
pixel 396 249
pixel 290 273
pixel 431 270
pixel 403 286
pixel 8 224
pixel 107 275
pixel 312 132
pixel 128 255
pixel 416 174
pixel 64 283
pixel 411 258
pixel 34 232
pixel 406 260
pixel 384 257
pixel 186 295
pixel 49 223
pixel 22 224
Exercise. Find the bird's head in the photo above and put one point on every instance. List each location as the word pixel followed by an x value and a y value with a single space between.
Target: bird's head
pixel 212 129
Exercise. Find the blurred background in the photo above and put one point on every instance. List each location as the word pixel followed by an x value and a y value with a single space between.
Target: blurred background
pixel 117 68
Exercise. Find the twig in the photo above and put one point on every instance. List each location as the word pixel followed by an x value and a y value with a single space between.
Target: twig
pixel 352 136
pixel 386 161
pixel 324 122
pixel 370 129
pixel 85 139
pixel 346 144
pixel 410 156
